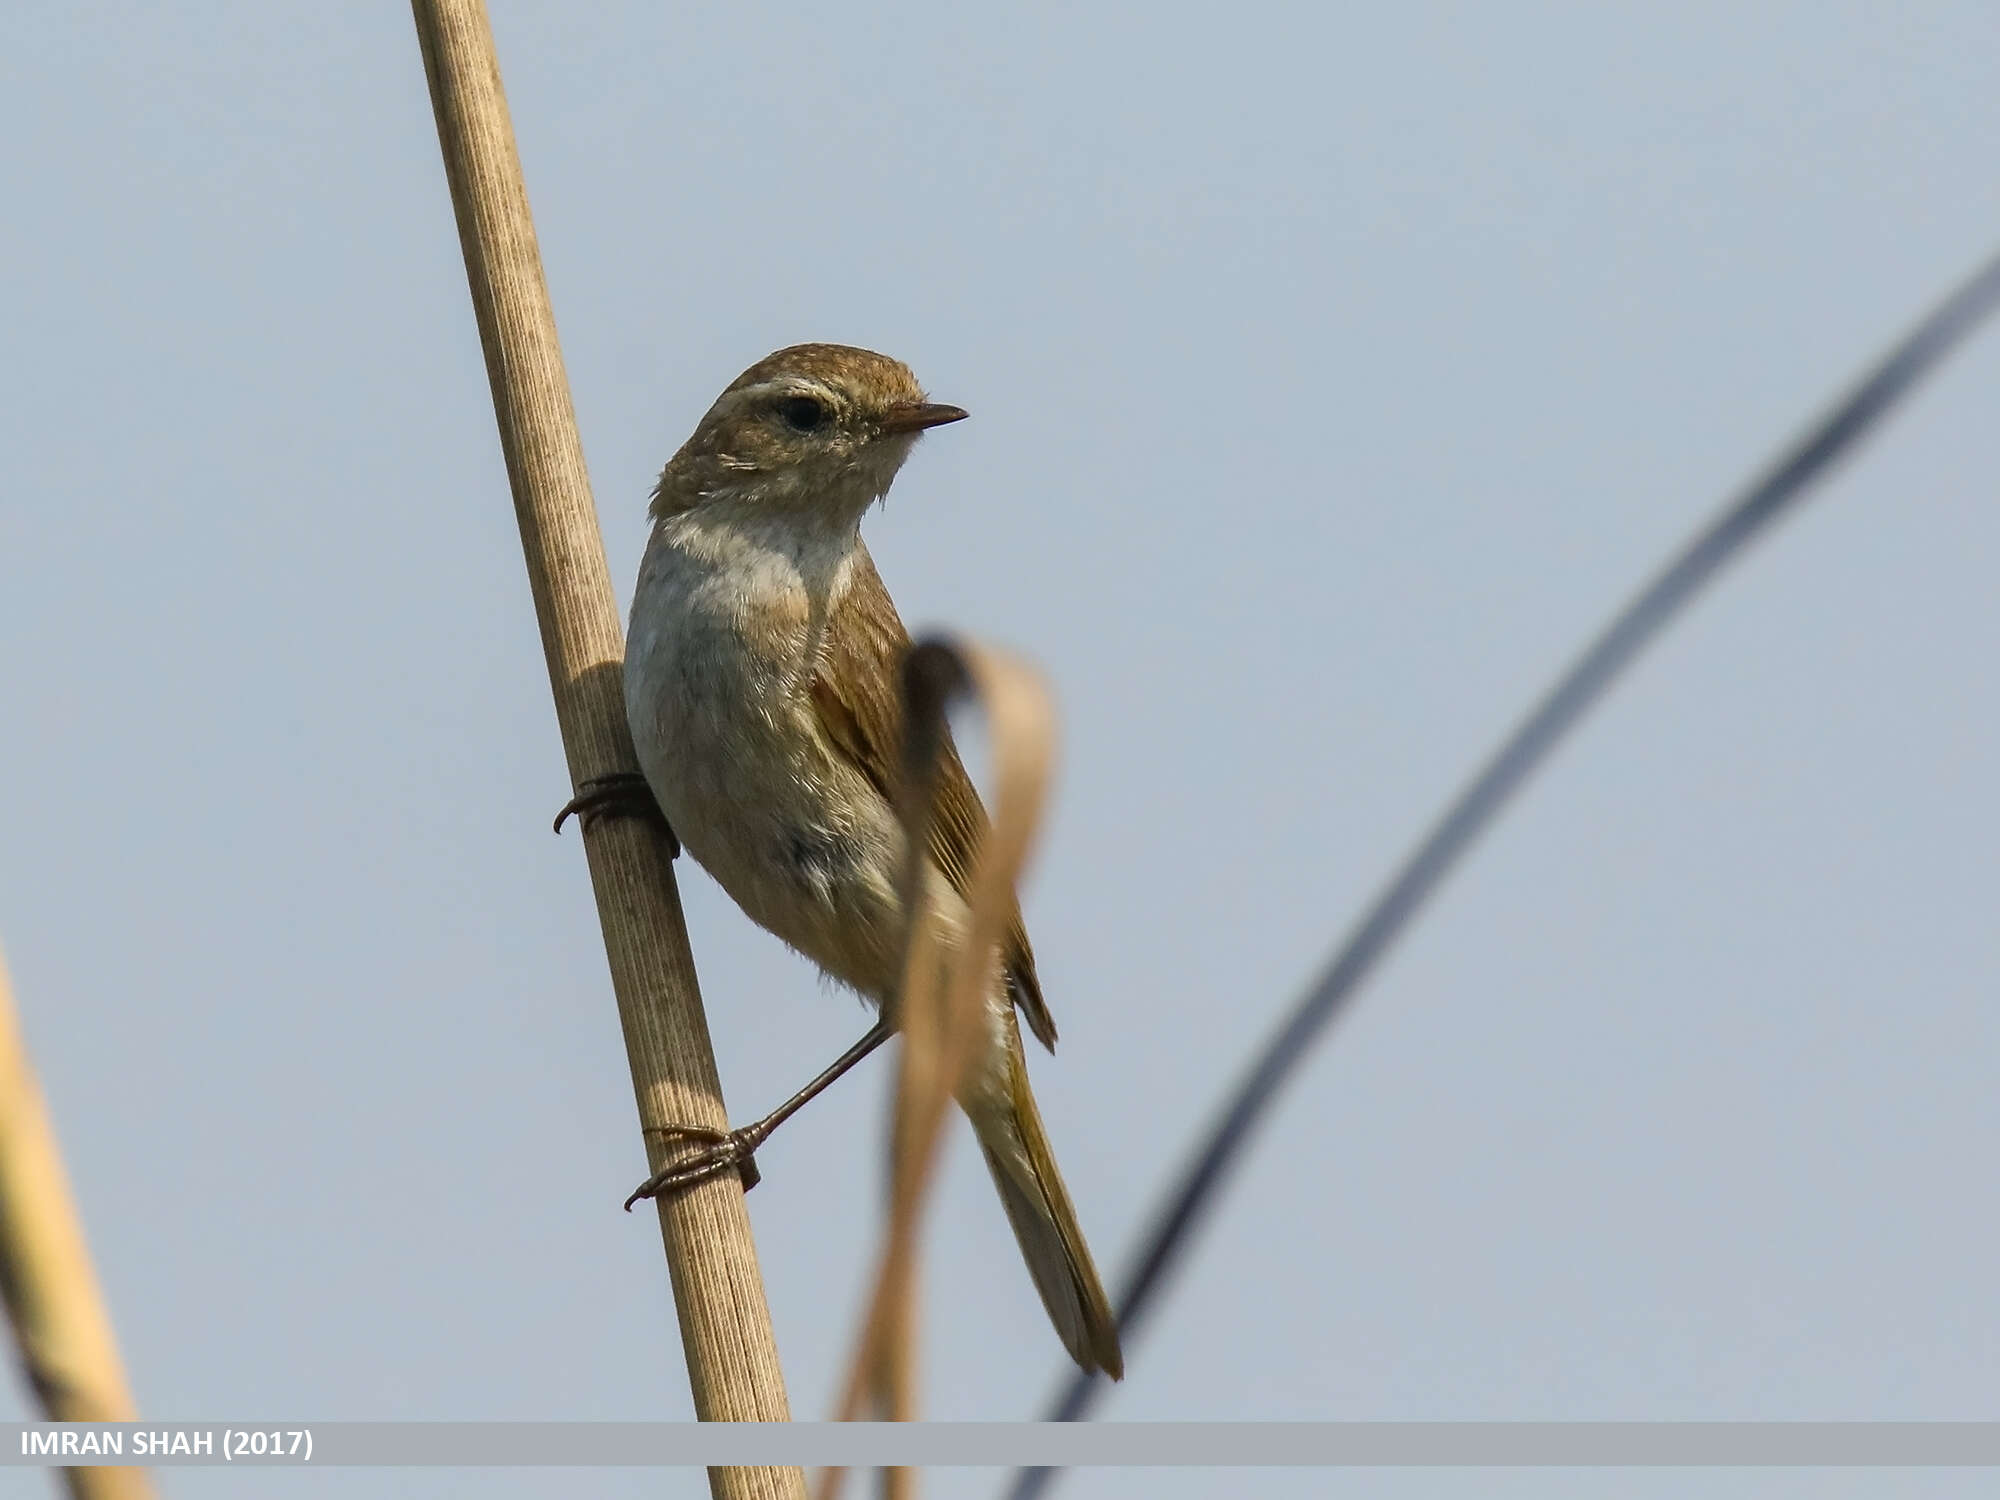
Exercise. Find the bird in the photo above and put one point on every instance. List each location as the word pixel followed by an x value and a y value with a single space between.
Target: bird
pixel 761 684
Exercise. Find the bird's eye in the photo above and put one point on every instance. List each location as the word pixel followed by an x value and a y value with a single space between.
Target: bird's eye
pixel 803 413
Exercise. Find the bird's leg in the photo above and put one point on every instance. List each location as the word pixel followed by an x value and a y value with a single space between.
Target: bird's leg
pixel 737 1148
pixel 623 794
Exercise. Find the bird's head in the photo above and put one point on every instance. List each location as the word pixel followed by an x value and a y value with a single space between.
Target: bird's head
pixel 816 429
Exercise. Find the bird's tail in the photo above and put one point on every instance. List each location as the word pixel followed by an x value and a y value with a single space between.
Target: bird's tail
pixel 1009 1127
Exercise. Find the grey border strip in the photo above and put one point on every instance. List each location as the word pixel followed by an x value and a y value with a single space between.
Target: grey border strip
pixel 981 1444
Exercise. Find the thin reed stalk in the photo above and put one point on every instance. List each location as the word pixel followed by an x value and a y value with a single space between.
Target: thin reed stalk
pixel 725 1324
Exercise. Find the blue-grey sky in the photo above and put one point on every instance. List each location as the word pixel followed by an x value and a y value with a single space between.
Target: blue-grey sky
pixel 1333 372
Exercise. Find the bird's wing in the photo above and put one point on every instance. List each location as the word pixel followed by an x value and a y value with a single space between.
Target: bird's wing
pixel 857 699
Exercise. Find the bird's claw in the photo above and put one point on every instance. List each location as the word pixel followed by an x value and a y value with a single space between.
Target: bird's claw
pixel 623 794
pixel 724 1150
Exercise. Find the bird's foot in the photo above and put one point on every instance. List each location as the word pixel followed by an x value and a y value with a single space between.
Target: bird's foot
pixel 720 1151
pixel 623 794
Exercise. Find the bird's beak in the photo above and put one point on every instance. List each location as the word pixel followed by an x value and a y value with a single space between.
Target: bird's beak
pixel 915 416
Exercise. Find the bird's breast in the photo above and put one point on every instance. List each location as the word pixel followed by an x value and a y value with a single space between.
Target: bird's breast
pixel 715 675
pixel 718 671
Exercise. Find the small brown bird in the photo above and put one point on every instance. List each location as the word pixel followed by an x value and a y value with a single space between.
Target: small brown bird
pixel 761 683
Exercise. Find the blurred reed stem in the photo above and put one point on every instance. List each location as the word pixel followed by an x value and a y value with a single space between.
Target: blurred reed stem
pixel 61 1325
pixel 942 1010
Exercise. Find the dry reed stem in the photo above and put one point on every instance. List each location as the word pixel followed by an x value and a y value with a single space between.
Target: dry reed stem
pixel 943 1006
pixel 725 1324
pixel 61 1325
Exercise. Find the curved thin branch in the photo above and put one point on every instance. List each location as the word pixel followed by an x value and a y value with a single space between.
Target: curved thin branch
pixel 1782 486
